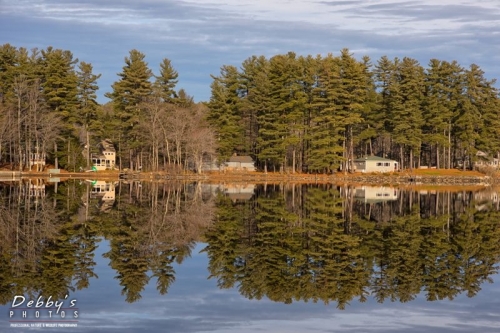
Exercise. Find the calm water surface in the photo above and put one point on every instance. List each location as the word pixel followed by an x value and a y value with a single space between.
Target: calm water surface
pixel 248 258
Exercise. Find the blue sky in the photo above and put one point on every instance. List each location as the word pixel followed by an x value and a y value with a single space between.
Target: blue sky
pixel 199 36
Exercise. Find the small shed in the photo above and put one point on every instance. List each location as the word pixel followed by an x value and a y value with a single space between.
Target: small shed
pixel 106 159
pixel 241 163
pixel 375 164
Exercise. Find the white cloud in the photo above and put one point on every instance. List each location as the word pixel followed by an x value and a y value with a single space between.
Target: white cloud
pixel 202 35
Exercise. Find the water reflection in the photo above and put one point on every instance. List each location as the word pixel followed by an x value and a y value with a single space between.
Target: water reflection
pixel 287 243
pixel 335 244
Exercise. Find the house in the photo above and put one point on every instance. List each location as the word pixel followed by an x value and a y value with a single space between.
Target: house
pixel 240 163
pixel 375 164
pixel 483 160
pixel 374 194
pixel 106 160
pixel 37 160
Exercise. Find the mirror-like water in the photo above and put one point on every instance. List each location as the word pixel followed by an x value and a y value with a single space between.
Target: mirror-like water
pixel 274 258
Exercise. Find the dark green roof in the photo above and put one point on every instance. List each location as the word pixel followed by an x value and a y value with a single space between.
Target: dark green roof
pixel 373 158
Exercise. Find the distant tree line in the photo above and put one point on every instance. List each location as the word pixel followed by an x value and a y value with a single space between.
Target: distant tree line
pixel 316 114
pixel 289 112
pixel 48 107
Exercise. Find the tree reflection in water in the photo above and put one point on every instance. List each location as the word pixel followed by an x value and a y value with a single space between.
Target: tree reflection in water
pixel 288 243
pixel 334 244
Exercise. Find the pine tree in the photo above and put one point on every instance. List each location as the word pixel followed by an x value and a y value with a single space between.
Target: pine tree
pixel 352 95
pixel 326 129
pixel 128 94
pixel 166 81
pixel 87 88
pixel 224 113
pixel 252 95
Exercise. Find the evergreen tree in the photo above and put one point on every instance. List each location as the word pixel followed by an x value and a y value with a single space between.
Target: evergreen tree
pixel 352 95
pixel 326 132
pixel 87 88
pixel 166 81
pixel 224 113
pixel 127 95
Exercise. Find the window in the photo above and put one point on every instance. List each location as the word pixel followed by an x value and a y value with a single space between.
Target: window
pixel 387 164
pixel 379 164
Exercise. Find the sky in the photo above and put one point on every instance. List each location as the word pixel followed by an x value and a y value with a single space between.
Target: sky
pixel 199 36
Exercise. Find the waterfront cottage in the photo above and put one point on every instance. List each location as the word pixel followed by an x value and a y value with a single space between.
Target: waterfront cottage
pixel 484 160
pixel 106 160
pixel 375 164
pixel 240 163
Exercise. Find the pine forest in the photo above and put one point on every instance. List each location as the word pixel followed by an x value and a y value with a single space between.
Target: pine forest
pixel 290 113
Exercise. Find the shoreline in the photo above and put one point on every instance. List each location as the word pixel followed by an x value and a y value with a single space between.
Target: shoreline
pixel 461 178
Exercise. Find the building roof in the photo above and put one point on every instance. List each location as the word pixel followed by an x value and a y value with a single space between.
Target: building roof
pixel 107 145
pixel 241 159
pixel 373 158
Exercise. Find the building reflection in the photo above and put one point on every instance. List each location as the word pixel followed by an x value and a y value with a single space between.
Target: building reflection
pixel 374 194
pixel 104 191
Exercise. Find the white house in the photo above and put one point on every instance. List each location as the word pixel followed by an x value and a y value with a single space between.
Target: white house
pixel 106 160
pixel 484 160
pixel 375 164
pixel 240 163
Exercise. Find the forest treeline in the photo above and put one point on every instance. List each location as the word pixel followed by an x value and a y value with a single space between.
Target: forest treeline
pixel 48 107
pixel 316 114
pixel 289 112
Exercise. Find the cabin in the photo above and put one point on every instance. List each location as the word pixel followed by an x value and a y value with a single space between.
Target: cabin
pixel 106 159
pixel 484 160
pixel 375 164
pixel 244 163
pixel 37 160
pixel 374 194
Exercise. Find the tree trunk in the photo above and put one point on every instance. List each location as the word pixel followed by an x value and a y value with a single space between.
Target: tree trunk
pixel 411 159
pixel 344 164
pixel 56 161
pixel 401 157
pixel 351 151
pixel 87 137
pixel 437 156
pixel 449 146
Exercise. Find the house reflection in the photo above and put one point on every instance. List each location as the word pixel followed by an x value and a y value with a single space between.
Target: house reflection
pixel 36 188
pixel 105 192
pixel 234 191
pixel 374 194
pixel 239 192
pixel 485 199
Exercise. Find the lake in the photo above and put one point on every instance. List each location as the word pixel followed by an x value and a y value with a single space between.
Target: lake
pixel 176 257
